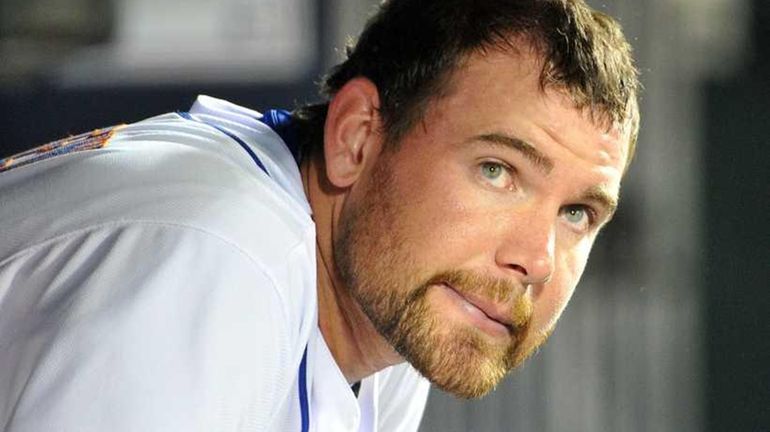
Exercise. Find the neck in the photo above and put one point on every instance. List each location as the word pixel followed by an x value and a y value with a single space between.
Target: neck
pixel 355 344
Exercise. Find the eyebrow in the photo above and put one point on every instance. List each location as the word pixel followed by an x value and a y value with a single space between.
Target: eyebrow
pixel 545 164
pixel 541 161
pixel 602 197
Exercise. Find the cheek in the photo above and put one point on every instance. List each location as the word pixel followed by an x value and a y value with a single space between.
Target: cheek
pixel 551 301
pixel 447 223
pixel 576 259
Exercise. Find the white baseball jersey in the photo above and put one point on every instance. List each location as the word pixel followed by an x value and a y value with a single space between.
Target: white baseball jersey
pixel 160 276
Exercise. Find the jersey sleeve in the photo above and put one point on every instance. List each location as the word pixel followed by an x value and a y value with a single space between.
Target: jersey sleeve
pixel 139 327
pixel 402 399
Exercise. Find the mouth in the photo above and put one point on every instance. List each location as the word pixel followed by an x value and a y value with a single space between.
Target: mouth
pixel 489 316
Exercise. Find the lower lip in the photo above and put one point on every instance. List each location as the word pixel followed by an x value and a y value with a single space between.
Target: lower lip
pixel 476 315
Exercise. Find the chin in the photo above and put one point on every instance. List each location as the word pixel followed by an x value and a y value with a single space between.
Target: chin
pixel 471 374
pixel 460 359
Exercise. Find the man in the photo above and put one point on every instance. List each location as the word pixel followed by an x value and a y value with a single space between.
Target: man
pixel 185 273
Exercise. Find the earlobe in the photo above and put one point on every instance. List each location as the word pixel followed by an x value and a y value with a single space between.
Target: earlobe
pixel 352 131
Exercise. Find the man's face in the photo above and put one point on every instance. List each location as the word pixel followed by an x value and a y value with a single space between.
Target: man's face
pixel 464 245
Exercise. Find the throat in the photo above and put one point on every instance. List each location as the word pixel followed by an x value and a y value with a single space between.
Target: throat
pixel 356 346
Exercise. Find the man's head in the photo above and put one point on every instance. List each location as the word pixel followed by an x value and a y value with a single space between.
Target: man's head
pixel 410 49
pixel 474 149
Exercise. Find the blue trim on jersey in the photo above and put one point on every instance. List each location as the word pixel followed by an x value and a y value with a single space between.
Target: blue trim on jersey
pixel 303 403
pixel 234 137
pixel 280 122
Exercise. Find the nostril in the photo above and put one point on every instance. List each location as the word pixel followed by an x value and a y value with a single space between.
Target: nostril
pixel 518 268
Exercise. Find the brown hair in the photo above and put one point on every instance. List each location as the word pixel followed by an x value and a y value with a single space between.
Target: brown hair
pixel 410 48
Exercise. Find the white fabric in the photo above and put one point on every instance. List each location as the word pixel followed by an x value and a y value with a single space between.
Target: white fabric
pixel 166 283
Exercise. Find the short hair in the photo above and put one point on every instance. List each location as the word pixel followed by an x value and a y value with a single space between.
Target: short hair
pixel 410 48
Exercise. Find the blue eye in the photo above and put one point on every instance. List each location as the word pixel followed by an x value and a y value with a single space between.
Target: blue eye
pixel 496 174
pixel 579 216
pixel 575 214
pixel 491 170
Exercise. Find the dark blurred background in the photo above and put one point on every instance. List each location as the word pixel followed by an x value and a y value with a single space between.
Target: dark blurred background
pixel 670 328
pixel 736 215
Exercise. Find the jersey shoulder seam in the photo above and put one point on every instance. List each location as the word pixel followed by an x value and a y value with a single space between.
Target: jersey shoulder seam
pixel 122 223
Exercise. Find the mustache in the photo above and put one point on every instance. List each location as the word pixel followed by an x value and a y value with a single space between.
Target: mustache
pixel 501 291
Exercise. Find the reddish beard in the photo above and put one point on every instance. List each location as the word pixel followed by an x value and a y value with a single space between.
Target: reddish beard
pixel 374 262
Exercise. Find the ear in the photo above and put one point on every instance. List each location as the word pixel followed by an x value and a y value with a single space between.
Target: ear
pixel 352 131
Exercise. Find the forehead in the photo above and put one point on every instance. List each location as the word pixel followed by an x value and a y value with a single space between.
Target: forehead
pixel 501 91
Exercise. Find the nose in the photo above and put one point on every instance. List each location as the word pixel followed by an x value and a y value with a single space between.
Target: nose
pixel 528 249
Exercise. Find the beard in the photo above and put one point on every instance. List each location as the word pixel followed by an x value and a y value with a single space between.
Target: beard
pixel 376 263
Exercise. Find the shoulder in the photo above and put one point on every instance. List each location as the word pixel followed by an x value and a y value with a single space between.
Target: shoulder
pixel 155 319
pixel 165 169
pixel 163 272
pixel 164 187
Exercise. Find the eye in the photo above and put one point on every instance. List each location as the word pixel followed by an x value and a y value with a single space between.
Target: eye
pixel 496 174
pixel 579 216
